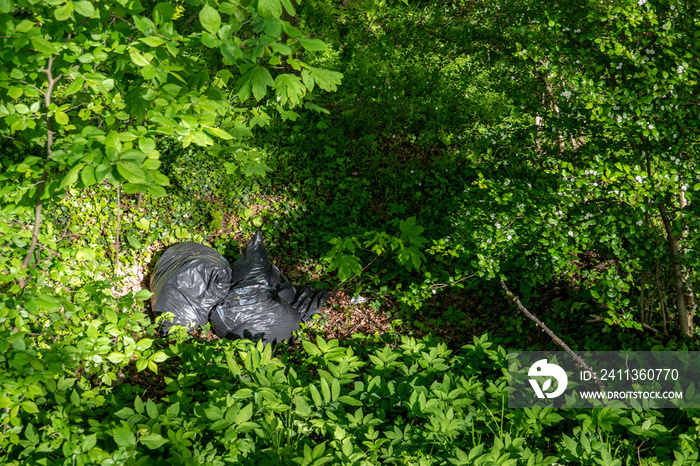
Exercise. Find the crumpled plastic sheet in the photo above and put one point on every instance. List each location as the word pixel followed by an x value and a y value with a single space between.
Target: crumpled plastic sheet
pixel 188 281
pixel 262 304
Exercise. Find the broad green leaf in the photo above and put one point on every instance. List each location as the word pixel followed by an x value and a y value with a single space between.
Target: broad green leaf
pixel 256 80
pixel 326 79
pixel 313 45
pixel 269 8
pixel 15 92
pixel 43 46
pixel 138 58
pixel 75 86
pixel 151 409
pixel 61 118
pixel 289 6
pixel 144 25
pixel 163 13
pixel 29 407
pixel 255 168
pixel 273 27
pixel 123 436
pixel 349 400
pixel 348 266
pixel 146 145
pixel 6 6
pixel 88 175
pixel 153 441
pixel 218 132
pixel 131 172
pixel 72 176
pixel 302 407
pixel 244 414
pixel 157 191
pixel 63 12
pixel 152 41
pixel 85 8
pixel 210 19
pixel 289 88
pixel 158 356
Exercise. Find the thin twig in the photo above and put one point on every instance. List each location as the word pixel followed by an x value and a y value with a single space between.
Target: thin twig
pixel 580 362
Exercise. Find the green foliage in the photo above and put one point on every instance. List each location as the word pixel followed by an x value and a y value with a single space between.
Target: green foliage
pixel 539 142
pixel 362 402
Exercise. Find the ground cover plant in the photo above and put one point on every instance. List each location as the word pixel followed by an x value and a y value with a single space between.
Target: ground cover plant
pixel 406 156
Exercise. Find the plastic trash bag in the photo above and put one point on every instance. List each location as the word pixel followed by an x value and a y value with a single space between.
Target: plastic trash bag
pixel 262 304
pixel 188 281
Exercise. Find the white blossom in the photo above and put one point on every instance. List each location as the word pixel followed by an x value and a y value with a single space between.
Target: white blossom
pixel 641 2
pixel 638 178
pixel 680 69
pixel 640 223
pixel 571 233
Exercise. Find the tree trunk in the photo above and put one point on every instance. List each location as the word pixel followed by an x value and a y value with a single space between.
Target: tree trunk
pixel 678 282
pixel 42 184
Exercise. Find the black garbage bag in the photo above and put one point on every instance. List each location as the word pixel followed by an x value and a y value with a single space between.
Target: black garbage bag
pixel 308 301
pixel 189 280
pixel 262 304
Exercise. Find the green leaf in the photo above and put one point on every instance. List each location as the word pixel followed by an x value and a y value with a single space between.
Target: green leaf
pixel 289 88
pixel 302 407
pixel 85 8
pixel 348 266
pixel 72 176
pixel 88 175
pixel 210 19
pixel 144 25
pixel 31 434
pixel 255 168
pixel 63 12
pixel 143 295
pixel 152 41
pixel 61 118
pixel 123 436
pixel 142 224
pixel 313 45
pixel 326 79
pixel 163 13
pixel 218 132
pixel 289 6
pixel 75 86
pixel 349 400
pixel 159 356
pixel 151 409
pixel 29 407
pixel 153 441
pixel 269 8
pixel 6 6
pixel 15 92
pixel 157 191
pixel 147 145
pixel 315 395
pixel 244 414
pixel 257 79
pixel 131 172
pixel 138 58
